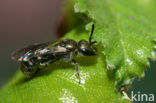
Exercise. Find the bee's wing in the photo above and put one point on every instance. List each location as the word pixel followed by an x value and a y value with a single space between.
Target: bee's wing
pixel 20 52
pixel 60 50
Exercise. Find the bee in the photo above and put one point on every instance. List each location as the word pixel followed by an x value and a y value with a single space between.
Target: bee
pixel 31 57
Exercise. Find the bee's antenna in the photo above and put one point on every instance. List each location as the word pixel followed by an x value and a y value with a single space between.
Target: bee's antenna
pixel 90 38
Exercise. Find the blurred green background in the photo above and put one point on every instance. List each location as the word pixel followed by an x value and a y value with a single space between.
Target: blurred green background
pixel 28 22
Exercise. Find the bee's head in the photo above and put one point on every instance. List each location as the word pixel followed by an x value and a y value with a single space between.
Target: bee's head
pixel 86 47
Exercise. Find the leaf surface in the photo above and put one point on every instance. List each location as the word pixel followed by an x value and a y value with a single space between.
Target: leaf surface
pixel 124 30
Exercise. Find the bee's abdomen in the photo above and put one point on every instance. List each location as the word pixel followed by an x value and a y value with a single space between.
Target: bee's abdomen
pixel 28 68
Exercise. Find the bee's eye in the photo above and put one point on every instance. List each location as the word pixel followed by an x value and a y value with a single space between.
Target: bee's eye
pixel 86 52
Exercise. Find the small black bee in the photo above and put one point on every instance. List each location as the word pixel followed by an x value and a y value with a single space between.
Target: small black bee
pixel 34 56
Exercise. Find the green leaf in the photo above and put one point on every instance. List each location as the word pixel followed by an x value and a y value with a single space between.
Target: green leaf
pixel 124 30
pixel 58 82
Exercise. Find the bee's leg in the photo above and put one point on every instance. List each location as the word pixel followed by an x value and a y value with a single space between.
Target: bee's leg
pixel 46 64
pixel 77 69
pixel 93 42
pixel 43 64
